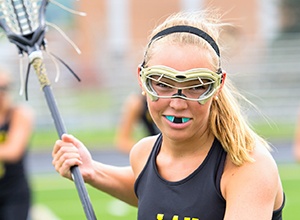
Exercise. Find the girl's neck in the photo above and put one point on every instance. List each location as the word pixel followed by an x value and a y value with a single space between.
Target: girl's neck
pixel 195 145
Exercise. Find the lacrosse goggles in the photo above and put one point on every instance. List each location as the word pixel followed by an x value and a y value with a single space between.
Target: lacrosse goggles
pixel 198 84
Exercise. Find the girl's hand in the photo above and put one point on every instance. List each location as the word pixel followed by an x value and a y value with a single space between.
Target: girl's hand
pixel 69 152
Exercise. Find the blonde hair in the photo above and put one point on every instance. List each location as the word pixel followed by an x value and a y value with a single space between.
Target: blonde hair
pixel 227 123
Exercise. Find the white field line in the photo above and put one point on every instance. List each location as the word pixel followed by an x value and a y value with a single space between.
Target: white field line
pixel 39 211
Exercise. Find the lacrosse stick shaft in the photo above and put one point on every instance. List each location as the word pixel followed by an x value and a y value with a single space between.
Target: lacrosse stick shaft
pixel 76 175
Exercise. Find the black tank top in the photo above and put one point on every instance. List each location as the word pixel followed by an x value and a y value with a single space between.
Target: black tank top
pixel 12 175
pixel 196 197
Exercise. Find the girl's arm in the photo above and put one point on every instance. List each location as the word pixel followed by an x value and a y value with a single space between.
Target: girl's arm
pixel 116 181
pixel 253 190
pixel 19 134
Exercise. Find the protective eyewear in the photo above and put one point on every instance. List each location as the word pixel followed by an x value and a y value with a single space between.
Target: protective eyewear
pixel 195 85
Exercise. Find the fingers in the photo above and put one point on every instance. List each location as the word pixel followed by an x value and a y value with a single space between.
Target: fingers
pixel 70 139
pixel 66 139
pixel 65 155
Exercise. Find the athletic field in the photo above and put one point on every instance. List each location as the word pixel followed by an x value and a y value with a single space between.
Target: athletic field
pixel 56 198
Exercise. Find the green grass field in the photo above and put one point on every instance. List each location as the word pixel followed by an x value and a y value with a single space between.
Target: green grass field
pixel 60 197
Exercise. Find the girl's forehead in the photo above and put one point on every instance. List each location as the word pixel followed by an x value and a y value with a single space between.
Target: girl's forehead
pixel 180 57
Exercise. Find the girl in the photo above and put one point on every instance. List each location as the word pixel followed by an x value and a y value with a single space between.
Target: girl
pixel 207 163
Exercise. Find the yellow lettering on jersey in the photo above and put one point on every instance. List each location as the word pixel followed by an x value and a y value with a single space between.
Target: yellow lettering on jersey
pixel 160 217
pixel 175 217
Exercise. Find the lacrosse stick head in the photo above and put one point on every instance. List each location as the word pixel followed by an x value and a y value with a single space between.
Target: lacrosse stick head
pixel 23 22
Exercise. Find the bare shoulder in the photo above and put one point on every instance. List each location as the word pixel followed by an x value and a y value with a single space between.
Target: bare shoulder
pixel 263 161
pixel 263 170
pixel 140 152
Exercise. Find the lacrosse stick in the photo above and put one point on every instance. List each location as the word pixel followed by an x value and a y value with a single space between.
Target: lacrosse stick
pixel 23 22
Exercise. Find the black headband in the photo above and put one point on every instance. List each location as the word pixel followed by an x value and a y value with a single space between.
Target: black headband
pixel 187 29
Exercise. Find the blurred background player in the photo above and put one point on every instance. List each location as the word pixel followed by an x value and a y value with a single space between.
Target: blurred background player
pixel 135 112
pixel 16 125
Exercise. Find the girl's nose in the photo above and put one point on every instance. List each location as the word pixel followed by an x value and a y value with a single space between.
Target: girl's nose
pixel 178 103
